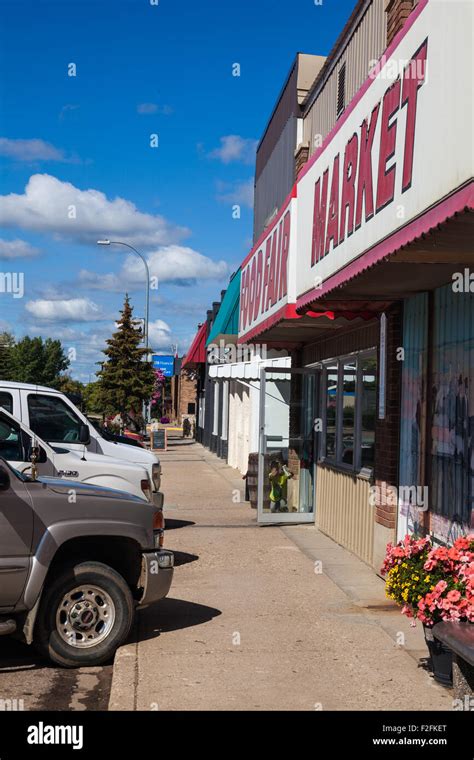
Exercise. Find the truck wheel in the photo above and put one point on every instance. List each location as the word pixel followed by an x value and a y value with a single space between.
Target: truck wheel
pixel 84 615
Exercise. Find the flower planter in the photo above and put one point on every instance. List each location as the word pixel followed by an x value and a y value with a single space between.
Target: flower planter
pixel 441 658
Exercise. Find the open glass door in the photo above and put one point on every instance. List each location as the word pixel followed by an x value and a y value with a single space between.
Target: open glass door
pixel 289 440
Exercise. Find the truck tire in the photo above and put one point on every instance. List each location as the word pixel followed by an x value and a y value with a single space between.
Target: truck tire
pixel 85 614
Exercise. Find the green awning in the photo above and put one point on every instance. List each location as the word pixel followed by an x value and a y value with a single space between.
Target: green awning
pixel 226 324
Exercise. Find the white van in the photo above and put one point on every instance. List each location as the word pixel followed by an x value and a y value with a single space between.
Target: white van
pixel 16 443
pixel 55 419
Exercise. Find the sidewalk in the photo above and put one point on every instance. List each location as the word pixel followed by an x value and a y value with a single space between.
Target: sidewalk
pixel 249 623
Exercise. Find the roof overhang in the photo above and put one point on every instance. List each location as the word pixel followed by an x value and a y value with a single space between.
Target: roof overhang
pixel 420 257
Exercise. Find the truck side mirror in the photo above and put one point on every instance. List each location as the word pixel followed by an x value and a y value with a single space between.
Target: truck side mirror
pixel 41 456
pixel 84 435
pixel 4 479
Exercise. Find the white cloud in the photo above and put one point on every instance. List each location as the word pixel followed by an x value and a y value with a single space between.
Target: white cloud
pixel 63 210
pixel 174 264
pixel 145 109
pixel 32 150
pixel 177 264
pixel 241 193
pixel 16 249
pixel 68 108
pixel 160 336
pixel 235 148
pixel 70 310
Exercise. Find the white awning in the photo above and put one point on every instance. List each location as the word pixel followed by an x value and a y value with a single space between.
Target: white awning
pixel 247 370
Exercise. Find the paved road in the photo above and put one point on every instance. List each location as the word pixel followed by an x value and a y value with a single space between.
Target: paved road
pixel 26 676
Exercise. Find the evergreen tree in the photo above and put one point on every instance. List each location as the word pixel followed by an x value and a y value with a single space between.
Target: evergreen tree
pixel 126 381
pixel 7 342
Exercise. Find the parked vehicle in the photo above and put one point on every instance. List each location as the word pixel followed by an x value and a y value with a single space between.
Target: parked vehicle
pixel 109 436
pixel 74 569
pixel 16 444
pixel 55 419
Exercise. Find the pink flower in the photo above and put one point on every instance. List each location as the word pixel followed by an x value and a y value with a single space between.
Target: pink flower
pixel 453 596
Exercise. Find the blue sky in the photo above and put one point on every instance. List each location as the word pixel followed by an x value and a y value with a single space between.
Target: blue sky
pixel 77 164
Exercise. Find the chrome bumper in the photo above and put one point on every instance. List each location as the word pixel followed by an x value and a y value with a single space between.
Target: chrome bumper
pixel 156 577
pixel 158 499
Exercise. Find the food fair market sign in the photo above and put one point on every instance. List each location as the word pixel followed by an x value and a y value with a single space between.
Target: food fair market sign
pixel 404 144
pixel 268 282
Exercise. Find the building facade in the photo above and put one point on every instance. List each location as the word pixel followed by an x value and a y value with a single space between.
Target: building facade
pixel 363 277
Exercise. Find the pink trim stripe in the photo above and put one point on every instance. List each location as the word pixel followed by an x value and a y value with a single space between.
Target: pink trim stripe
pixel 463 198
pixel 364 87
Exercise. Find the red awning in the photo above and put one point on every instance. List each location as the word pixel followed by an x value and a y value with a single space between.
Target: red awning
pixel 197 352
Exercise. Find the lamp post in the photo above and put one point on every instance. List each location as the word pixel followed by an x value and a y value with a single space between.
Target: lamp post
pixel 147 301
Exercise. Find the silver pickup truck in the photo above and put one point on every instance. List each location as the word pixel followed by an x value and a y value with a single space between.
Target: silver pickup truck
pixel 75 562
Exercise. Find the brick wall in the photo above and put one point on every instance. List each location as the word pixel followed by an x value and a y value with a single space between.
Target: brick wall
pixel 301 156
pixel 387 430
pixel 187 394
pixel 397 13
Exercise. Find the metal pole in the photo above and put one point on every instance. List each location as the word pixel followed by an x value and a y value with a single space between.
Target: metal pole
pixel 147 304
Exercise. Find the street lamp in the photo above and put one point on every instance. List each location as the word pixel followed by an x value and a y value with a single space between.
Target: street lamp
pixel 147 303
pixel 147 306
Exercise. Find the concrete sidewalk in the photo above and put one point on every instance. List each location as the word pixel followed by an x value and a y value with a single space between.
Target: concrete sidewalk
pixel 252 623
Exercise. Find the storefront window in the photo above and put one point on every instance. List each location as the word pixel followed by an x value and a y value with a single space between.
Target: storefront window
pixel 350 411
pixel 331 411
pixel 368 411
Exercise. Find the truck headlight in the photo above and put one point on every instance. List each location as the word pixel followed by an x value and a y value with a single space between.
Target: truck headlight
pixel 156 476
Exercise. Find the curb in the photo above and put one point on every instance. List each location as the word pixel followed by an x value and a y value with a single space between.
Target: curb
pixel 123 689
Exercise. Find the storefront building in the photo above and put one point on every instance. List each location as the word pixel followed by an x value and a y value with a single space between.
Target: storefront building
pixel 366 277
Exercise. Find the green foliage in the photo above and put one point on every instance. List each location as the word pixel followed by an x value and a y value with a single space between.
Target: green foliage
pixel 93 399
pixel 7 342
pixel 126 381
pixel 32 360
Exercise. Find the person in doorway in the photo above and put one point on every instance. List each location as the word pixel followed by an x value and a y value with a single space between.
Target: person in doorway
pixel 278 477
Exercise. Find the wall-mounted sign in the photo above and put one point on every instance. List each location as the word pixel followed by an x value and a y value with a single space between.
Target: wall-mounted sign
pixel 268 283
pixel 397 150
pixel 165 363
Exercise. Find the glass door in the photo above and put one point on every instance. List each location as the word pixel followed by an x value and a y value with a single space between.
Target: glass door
pixel 289 441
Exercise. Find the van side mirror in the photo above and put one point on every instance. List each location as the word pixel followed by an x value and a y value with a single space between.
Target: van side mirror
pixel 84 435
pixel 4 479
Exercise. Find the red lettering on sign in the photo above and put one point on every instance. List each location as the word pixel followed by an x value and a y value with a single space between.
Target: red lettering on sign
pixel 266 273
pixel 276 286
pixel 258 286
pixel 284 256
pixel 319 218
pixel 332 232
pixel 413 78
pixel 364 185
pixel 388 138
pixel 271 275
pixel 348 188
pixel 252 289
pixel 243 297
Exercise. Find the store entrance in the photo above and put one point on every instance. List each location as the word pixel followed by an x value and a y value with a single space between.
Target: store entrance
pixel 289 442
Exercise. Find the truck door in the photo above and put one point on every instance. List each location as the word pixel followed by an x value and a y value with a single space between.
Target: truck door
pixel 10 400
pixel 16 534
pixel 53 419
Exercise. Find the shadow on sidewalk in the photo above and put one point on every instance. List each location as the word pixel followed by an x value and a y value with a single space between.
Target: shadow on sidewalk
pixel 183 558
pixel 177 524
pixel 172 615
